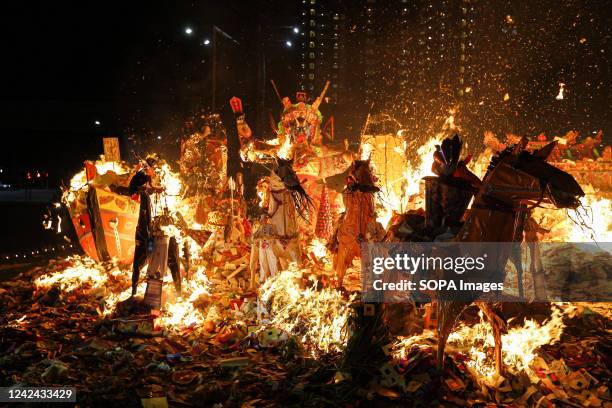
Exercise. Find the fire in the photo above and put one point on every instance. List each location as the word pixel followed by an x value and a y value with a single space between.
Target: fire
pixel 519 350
pixel 285 151
pixel 318 317
pixel 172 185
pixel 84 273
pixel 520 344
pixel 113 299
pixel 366 151
pixel 181 312
pixel 318 248
pixel 597 213
pixel 415 172
pixel 400 182
pixel 403 344
pixel 590 222
pixel 79 181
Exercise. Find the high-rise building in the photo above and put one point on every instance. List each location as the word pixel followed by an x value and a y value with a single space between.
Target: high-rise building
pixel 321 52
pixel 405 58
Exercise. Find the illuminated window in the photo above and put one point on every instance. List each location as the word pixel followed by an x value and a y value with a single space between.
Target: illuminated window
pixel 311 76
pixel 313 23
pixel 311 65
pixel 311 44
pixel 311 55
pixel 313 12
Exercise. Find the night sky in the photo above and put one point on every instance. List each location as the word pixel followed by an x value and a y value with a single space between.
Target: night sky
pixel 127 64
pixel 130 66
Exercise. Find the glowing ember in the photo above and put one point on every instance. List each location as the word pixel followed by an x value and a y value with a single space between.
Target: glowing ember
pixel 561 90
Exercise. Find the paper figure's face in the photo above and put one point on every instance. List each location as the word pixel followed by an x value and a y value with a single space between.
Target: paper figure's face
pixel 300 123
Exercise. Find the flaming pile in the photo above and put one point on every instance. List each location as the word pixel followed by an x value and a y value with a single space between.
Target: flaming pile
pixel 112 284
pixel 318 317
pixel 181 313
pixel 520 344
pixel 83 273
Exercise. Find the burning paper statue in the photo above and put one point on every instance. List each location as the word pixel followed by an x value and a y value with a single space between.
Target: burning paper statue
pixel 277 241
pixel 299 136
pixel 203 166
pixel 104 221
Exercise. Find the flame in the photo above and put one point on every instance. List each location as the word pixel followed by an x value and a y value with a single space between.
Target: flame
pixel 83 272
pixel 285 151
pixel 519 344
pixel 79 180
pixel 591 222
pixel 87 275
pixel 415 167
pixel 181 312
pixel 319 318
pixel 597 212
pixel 561 89
pixel 366 151
pixel 476 342
pixel 113 299
pixel 318 247
pixel 415 172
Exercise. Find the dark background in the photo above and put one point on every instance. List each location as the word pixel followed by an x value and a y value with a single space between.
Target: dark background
pixel 128 65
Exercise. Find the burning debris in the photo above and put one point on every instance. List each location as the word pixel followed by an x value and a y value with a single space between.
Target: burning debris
pixel 318 317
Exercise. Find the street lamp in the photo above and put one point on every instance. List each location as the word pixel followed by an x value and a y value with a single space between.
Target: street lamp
pixel 188 31
pixel 288 43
